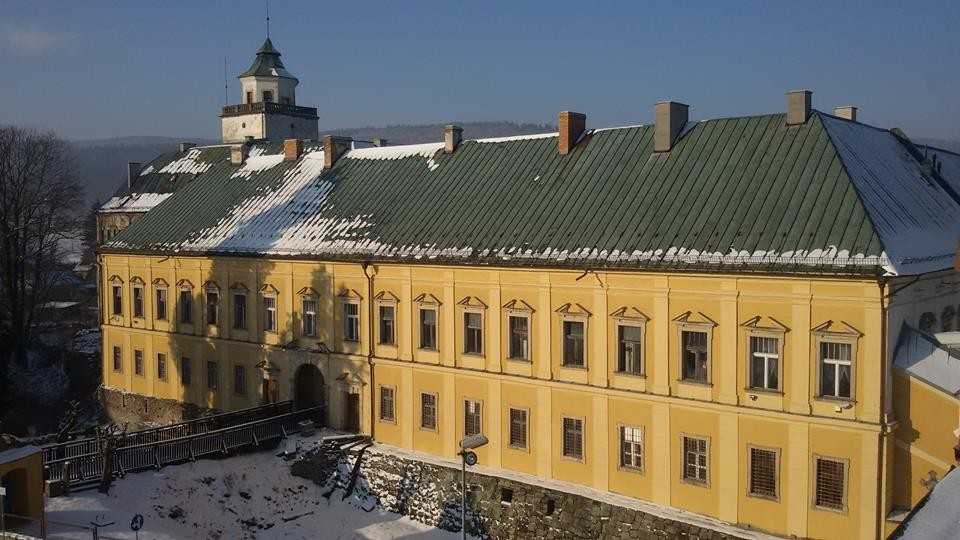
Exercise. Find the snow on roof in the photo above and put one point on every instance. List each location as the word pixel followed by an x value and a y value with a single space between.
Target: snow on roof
pixel 530 137
pixel 923 356
pixel 188 163
pixel 915 218
pixel 16 454
pixel 426 150
pixel 938 518
pixel 134 202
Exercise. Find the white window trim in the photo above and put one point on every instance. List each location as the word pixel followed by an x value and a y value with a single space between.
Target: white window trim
pixel 773 333
pixel 633 322
pixel 303 315
pixel 523 314
pixel 687 326
pixel 683 461
pixel 464 310
pixel 835 337
pixel 386 299
pixel 643 449
pixel 428 306
pixel 344 302
pixel 263 312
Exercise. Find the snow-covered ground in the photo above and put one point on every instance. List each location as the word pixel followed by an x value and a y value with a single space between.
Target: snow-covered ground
pixel 247 496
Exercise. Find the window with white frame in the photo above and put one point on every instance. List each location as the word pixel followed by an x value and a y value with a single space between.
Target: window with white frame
pixel 270 312
pixel 518 328
pixel 388 323
pixel 518 428
pixel 764 364
pixel 428 411
pixel 830 483
pixel 836 368
pixel 309 304
pixel 631 447
pixel 573 343
pixel 387 402
pixel 472 417
pixel 629 349
pixel 572 438
pixel 351 321
pixel 695 460
pixel 694 355
pixel 428 328
pixel 473 332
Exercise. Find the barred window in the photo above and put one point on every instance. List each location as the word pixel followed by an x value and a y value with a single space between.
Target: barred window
pixel 763 472
pixel 695 460
pixel 351 322
pixel 186 377
pixel 162 366
pixel 695 355
pixel 117 299
pixel 472 418
pixel 270 313
pixel 239 311
pixel 387 322
pixel 835 369
pixel 518 428
pixel 764 363
pixel 387 403
pixel 186 306
pixel 573 344
pixel 138 302
pixel 573 438
pixel 629 350
pixel 240 380
pixel 519 328
pixel 428 411
pixel 472 332
pixel 830 486
pixel 631 447
pixel 161 306
pixel 213 379
pixel 117 358
pixel 309 317
pixel 138 362
pixel 428 328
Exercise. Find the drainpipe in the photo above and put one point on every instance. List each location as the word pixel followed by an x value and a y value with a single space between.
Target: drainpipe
pixel 373 386
pixel 885 420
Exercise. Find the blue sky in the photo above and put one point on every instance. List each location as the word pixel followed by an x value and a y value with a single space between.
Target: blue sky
pixel 96 69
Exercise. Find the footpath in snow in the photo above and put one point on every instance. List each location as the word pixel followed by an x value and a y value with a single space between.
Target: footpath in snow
pixel 242 497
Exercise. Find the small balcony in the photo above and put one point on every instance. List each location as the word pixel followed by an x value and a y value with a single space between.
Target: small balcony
pixel 269 107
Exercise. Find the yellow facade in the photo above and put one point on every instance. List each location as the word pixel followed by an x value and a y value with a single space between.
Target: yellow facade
pixel 790 422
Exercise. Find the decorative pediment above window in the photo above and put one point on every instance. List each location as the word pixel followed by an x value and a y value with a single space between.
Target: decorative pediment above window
pixel 427 298
pixel 573 309
pixel 472 302
pixel 184 284
pixel 836 328
pixel 386 297
pixel 136 281
pixel 160 283
pixel 349 294
pixel 211 286
pixel 115 280
pixel 769 324
pixel 239 287
pixel 629 313
pixel 518 305
pixel 351 382
pixel 269 289
pixel 308 291
pixel 695 317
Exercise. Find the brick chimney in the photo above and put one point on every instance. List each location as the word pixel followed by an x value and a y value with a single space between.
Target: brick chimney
pixel 133 171
pixel 185 145
pixel 798 106
pixel 239 153
pixel 452 136
pixel 333 148
pixel 570 125
pixel 292 149
pixel 669 119
pixel 379 142
pixel 848 112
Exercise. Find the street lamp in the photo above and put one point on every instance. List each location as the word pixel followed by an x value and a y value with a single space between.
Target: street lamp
pixel 467 457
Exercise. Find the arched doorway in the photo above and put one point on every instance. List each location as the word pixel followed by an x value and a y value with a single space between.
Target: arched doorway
pixel 308 387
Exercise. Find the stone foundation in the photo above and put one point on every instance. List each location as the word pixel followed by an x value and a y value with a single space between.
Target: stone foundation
pixel 137 410
pixel 497 507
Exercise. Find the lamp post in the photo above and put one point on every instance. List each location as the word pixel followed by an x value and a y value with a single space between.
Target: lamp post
pixel 467 457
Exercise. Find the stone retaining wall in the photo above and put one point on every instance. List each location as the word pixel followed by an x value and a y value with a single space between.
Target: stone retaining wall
pixel 137 410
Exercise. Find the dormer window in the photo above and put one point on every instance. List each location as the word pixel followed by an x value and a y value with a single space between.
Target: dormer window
pixel 268 96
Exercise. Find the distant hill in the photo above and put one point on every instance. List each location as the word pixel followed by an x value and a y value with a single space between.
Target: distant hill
pixel 102 163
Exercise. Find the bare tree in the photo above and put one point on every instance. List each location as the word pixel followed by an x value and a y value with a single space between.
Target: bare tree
pixel 40 201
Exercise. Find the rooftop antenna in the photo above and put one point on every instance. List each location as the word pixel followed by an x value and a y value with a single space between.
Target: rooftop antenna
pixel 225 98
pixel 268 18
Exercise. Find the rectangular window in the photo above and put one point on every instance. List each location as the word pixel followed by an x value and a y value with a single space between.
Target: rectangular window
pixel 835 369
pixel 249 97
pixel 186 377
pixel 428 328
pixel 695 351
pixel 309 317
pixel 573 438
pixel 213 379
pixel 428 411
pixel 831 476
pixel 695 460
pixel 387 322
pixel 472 417
pixel 631 447
pixel 161 306
pixel 387 397
pixel 764 363
pixel 213 307
pixel 519 328
pixel 270 313
pixel 763 472
pixel 629 351
pixel 138 362
pixel 573 343
pixel 138 302
pixel 117 299
pixel 117 358
pixel 239 311
pixel 518 428
pixel 351 322
pixel 240 380
pixel 472 332
pixel 186 306
pixel 161 366
pixel 268 96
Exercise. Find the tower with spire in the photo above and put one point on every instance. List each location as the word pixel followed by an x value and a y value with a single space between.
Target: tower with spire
pixel 268 107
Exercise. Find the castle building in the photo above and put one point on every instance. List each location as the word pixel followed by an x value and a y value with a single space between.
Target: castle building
pixel 718 316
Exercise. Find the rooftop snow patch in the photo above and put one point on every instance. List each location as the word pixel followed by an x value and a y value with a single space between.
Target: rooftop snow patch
pixel 516 138
pixel 426 150
pixel 188 163
pixel 135 202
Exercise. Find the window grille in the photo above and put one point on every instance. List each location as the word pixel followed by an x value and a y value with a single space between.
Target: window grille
pixel 695 464
pixel 428 411
pixel 161 366
pixel 831 476
pixel 518 428
pixel 472 418
pixel 573 438
pixel 138 362
pixel 763 472
pixel 386 403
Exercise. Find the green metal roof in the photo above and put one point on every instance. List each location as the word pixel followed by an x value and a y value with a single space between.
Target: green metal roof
pixel 748 193
pixel 267 63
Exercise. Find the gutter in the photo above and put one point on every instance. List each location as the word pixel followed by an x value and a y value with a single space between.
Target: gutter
pixel 370 321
